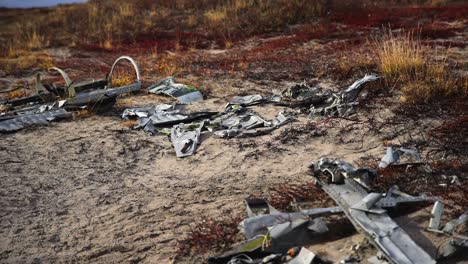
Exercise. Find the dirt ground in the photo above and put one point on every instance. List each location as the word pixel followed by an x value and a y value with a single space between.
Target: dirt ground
pixel 92 190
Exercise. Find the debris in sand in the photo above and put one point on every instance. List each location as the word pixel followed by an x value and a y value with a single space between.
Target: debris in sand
pixel 185 138
pixel 393 197
pixel 258 205
pixel 259 225
pixel 94 97
pixel 339 170
pixel 456 242
pixel 342 104
pixel 184 93
pixel 436 214
pixel 370 218
pixel 247 100
pixel 37 110
pixel 301 95
pixel 230 123
pixel 245 123
pixel 275 233
pixel 271 233
pixel 393 156
pixel 20 121
pixel 323 102
pixel 153 119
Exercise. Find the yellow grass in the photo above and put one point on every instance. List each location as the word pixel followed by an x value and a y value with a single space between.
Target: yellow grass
pixel 26 61
pixel 405 62
pixel 129 123
pixel 17 94
pixel 107 23
pixel 122 77
pixel 400 55
pixel 167 66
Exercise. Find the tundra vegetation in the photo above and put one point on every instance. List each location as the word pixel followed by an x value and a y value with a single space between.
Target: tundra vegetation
pixel 422 72
pixel 227 48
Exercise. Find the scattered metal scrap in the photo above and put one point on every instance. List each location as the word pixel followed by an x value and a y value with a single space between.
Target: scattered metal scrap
pixel 393 156
pixel 269 236
pixel 367 213
pixel 258 225
pixel 247 100
pixel 301 95
pixel 154 119
pixel 183 93
pixel 270 233
pixel 235 121
pixel 245 123
pixel 323 102
pixel 185 138
pixel 456 241
pixel 30 119
pixel 54 102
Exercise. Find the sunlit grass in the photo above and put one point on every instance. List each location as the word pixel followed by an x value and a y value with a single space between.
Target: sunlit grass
pixel 403 60
pixel 25 61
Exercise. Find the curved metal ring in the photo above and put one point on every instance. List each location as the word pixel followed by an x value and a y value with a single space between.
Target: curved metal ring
pixel 132 61
pixel 65 77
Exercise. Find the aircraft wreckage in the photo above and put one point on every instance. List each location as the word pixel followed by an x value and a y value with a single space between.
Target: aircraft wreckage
pixel 58 102
pixel 269 233
pixel 278 237
pixel 237 120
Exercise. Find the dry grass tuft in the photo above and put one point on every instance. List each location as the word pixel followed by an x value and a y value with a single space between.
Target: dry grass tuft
pixel 281 197
pixel 26 61
pixel 130 123
pixel 422 78
pixel 82 113
pixel 400 56
pixel 167 66
pixel 210 233
pixel 122 80
pixel 17 94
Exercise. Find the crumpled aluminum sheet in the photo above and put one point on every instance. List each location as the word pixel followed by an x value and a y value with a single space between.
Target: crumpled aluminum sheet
pixel 342 104
pixel 393 156
pixel 32 119
pixel 184 93
pixel 248 124
pixel 258 225
pixel 161 116
pixel 351 94
pixel 146 111
pixel 339 169
pixel 300 95
pixel 247 100
pixel 379 228
pixel 185 138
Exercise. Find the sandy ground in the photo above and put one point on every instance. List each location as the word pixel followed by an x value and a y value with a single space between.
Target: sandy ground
pixel 92 190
